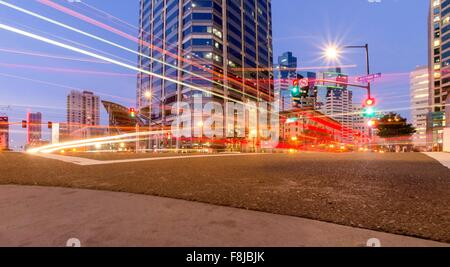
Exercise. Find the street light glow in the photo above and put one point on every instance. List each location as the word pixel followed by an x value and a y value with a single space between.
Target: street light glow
pixel 332 53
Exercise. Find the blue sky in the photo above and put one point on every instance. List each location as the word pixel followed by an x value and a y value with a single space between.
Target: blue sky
pixel 395 29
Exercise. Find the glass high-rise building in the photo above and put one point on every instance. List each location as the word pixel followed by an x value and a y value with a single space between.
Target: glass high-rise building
pixel 222 46
pixel 439 66
pixel 287 66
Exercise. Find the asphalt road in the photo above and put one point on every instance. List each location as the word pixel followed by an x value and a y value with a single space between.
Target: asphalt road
pixel 405 194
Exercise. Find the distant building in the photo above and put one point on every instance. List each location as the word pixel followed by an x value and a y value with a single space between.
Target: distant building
pixel 360 125
pixel 287 66
pixel 60 133
pixel 83 114
pixel 306 129
pixel 119 118
pixel 4 133
pixel 338 101
pixel 419 86
pixel 34 129
pixel 285 73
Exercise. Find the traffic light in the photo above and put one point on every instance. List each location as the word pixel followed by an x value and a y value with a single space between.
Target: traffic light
pixel 370 102
pixel 300 88
pixel 369 112
pixel 50 125
pixel 295 90
pixel 24 124
pixel 132 113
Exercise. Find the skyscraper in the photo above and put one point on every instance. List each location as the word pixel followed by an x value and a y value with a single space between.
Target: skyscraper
pixel 439 62
pixel 222 46
pixel 360 124
pixel 34 133
pixel 338 101
pixel 419 104
pixel 287 65
pixel 83 112
pixel 286 71
pixel 4 132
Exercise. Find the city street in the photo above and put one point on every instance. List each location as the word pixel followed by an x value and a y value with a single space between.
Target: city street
pixel 405 194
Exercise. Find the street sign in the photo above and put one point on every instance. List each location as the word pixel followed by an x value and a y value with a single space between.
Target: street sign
pixel 304 83
pixel 368 78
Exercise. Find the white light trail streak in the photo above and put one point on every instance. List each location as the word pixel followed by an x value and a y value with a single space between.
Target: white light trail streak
pixel 114 44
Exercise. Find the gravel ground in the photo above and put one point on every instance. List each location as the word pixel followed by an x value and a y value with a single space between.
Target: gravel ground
pixel 405 194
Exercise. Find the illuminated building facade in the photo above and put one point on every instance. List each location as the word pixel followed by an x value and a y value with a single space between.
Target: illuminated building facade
pixel 419 86
pixel 338 101
pixel 34 128
pixel 308 129
pixel 83 114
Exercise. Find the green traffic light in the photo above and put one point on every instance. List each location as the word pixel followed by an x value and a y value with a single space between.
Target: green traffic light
pixel 295 91
pixel 369 112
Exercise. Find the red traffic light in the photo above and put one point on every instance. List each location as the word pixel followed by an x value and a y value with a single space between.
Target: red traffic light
pixel 24 124
pixel 369 102
pixel 50 125
pixel 295 83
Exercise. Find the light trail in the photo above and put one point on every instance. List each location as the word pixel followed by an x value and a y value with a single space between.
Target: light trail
pixel 85 142
pixel 119 46
pixel 136 29
pixel 87 53
pixel 60 38
pixel 110 16
pixel 29 53
pixel 65 70
pixel 63 147
pixel 295 69
pixel 141 42
pixel 64 86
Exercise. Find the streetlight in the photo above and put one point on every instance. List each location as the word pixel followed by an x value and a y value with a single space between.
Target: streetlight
pixel 333 53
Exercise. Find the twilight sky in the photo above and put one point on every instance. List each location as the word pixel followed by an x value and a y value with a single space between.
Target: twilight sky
pixel 35 76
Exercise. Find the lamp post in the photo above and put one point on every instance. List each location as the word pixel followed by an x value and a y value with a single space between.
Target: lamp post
pixel 333 53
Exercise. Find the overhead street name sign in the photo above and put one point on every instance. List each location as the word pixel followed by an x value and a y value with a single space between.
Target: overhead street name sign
pixel 368 78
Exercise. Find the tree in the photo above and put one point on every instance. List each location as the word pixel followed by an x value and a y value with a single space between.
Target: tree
pixel 394 125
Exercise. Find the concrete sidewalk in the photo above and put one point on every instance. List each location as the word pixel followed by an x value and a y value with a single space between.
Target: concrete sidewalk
pixel 45 216
pixel 443 158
